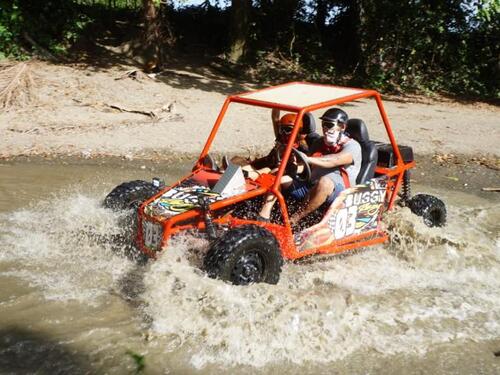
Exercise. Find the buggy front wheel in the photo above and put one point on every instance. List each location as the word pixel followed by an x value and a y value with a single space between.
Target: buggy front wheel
pixel 245 255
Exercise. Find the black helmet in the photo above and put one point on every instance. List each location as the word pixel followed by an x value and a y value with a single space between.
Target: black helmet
pixel 335 114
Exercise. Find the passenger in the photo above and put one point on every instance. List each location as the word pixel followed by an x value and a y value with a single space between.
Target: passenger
pixel 283 128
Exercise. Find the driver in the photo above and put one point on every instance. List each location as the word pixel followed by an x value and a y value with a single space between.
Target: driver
pixel 333 151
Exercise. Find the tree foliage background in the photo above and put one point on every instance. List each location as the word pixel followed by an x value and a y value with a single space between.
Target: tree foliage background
pixel 447 46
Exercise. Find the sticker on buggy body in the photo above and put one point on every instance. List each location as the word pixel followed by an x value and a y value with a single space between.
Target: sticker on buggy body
pixel 354 211
pixel 180 199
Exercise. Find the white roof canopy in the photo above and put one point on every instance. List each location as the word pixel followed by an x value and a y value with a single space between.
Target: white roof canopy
pixel 299 94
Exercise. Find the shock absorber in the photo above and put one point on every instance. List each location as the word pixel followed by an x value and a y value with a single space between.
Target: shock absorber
pixel 209 224
pixel 406 187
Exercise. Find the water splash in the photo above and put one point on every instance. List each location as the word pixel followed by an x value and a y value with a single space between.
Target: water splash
pixel 426 287
pixel 400 298
pixel 58 246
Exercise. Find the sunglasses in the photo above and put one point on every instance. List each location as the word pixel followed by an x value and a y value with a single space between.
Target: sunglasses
pixel 329 124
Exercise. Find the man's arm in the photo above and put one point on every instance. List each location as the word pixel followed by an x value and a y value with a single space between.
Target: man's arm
pixel 275 117
pixel 331 160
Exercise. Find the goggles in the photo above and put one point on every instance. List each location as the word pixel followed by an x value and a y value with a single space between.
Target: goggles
pixel 286 130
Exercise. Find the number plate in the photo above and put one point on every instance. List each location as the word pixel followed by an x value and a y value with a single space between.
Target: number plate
pixel 152 234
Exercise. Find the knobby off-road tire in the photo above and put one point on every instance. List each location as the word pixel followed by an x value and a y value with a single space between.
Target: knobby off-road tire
pixel 432 209
pixel 245 255
pixel 129 196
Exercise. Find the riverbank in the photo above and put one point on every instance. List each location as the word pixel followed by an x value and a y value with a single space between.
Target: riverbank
pixel 89 111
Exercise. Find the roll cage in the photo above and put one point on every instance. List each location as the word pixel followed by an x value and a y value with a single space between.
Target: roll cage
pixel 302 97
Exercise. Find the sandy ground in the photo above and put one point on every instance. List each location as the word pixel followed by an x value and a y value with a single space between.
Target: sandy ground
pixel 72 114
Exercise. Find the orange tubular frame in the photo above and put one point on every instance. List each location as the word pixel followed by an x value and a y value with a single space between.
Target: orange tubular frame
pixel 193 219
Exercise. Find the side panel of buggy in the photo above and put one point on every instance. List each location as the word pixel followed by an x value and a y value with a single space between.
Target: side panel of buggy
pixel 353 215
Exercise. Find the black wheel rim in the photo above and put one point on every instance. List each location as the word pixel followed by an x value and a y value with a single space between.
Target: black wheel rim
pixel 248 269
pixel 434 218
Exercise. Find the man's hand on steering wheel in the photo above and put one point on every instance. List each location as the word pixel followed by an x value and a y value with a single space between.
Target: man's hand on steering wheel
pixel 303 157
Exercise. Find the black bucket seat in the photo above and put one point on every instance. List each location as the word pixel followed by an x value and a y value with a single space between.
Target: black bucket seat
pixel 309 128
pixel 357 130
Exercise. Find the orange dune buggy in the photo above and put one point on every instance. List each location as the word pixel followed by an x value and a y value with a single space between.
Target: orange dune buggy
pixel 244 250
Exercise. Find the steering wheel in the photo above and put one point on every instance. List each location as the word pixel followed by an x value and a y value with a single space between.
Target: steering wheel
pixel 291 167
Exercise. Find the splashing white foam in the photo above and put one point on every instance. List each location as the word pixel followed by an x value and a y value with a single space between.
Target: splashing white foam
pixel 57 246
pixel 391 299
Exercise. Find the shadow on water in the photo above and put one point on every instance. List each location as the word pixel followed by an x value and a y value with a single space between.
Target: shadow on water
pixel 132 287
pixel 23 351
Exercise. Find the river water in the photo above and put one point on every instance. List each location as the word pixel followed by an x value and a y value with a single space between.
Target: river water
pixel 427 302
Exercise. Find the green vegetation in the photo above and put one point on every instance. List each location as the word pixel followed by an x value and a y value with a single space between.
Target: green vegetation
pixel 10 28
pixel 139 361
pixel 26 26
pixel 446 46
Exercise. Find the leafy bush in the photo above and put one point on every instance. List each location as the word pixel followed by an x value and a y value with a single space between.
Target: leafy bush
pixel 54 25
pixel 10 28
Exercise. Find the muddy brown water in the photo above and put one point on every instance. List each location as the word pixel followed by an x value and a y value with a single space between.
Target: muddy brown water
pixel 427 302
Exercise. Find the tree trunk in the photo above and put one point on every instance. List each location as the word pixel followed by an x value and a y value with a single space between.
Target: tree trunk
pixel 357 50
pixel 151 36
pixel 240 26
pixel 320 18
pixel 284 23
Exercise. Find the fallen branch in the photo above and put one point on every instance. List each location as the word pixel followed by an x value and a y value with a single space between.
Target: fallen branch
pixel 135 74
pixel 32 130
pixel 44 52
pixel 169 108
pixel 62 128
pixel 122 109
pixel 491 189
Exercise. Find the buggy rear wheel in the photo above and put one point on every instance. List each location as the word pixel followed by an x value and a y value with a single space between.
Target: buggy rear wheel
pixel 245 255
pixel 432 209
